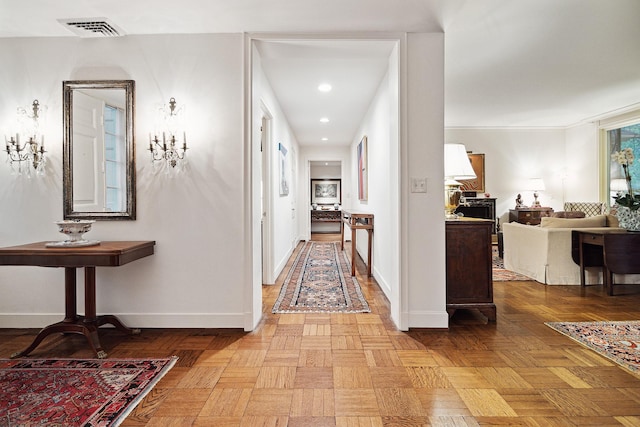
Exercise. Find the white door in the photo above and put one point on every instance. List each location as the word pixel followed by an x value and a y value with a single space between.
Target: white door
pixel 88 153
pixel 265 204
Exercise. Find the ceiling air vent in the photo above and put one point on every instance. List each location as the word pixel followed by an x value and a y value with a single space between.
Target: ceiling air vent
pixel 92 27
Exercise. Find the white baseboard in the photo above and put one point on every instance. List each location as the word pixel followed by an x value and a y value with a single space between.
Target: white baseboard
pixel 146 320
pixel 283 262
pixel 429 319
pixel 384 285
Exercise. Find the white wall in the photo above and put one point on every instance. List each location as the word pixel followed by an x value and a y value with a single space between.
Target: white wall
pixel 202 274
pixel 198 272
pixel 325 172
pixel 582 180
pixel 422 259
pixel 513 156
pixel 382 195
pixel 567 160
pixel 284 213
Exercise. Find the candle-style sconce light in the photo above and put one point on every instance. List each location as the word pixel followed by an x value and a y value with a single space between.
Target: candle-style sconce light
pixel 168 145
pixel 25 149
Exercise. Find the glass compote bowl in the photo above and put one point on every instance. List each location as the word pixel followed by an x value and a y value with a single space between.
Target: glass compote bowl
pixel 73 229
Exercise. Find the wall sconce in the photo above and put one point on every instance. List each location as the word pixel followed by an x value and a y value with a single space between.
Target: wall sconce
pixel 456 166
pixel 31 151
pixel 536 185
pixel 169 149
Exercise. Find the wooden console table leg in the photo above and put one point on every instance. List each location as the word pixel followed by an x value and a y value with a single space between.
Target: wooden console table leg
pixel 581 252
pixel 70 298
pixel 70 315
pixel 60 327
pixel 90 325
pixel 86 325
pixel 607 279
pixel 92 321
pixel 370 231
pixel 353 251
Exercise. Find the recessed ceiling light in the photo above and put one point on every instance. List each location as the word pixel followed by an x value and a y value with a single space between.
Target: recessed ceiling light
pixel 326 163
pixel 324 120
pixel 325 139
pixel 324 87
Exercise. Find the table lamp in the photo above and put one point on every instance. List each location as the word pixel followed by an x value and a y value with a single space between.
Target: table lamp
pixel 536 185
pixel 456 166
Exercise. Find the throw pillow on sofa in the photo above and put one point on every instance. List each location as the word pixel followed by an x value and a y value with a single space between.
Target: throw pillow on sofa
pixel 568 214
pixel 589 222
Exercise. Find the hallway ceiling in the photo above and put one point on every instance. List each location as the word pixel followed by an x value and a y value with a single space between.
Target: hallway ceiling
pixel 508 63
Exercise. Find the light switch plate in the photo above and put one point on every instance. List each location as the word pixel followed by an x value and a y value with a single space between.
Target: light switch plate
pixel 418 185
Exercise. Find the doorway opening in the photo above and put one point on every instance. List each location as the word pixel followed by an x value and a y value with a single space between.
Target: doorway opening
pixel 325 199
pixel 285 76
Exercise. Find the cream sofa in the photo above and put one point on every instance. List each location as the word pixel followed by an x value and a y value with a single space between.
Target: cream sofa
pixel 544 252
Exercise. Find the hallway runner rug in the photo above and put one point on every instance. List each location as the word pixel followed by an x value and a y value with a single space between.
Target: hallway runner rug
pixel 320 281
pixel 75 392
pixel 617 341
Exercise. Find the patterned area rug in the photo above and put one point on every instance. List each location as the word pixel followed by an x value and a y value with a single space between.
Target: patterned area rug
pixel 501 274
pixel 320 281
pixel 72 392
pixel 617 341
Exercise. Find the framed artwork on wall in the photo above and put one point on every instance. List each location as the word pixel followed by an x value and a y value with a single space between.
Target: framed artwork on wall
pixel 363 169
pixel 284 178
pixel 477 184
pixel 326 191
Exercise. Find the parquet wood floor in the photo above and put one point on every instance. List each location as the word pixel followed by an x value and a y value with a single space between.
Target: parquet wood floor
pixel 357 370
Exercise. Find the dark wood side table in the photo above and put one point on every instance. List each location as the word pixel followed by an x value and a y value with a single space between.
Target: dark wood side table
pixel 469 267
pixel 357 221
pixel 106 254
pixel 529 216
pixel 616 251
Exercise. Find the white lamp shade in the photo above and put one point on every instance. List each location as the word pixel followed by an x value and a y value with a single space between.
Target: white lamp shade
pixel 536 184
pixel 456 162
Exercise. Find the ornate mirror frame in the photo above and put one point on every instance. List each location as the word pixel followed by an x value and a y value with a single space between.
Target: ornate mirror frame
pixel 68 88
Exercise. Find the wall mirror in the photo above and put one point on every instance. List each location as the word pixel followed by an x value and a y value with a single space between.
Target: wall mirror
pixel 98 164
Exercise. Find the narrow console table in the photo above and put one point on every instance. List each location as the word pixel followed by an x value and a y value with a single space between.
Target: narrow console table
pixel 469 267
pixel 357 221
pixel 106 254
pixel 616 252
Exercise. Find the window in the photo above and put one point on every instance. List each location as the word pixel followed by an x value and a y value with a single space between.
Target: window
pixel 114 164
pixel 619 139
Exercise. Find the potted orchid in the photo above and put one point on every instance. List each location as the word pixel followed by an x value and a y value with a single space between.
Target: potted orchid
pixel 627 204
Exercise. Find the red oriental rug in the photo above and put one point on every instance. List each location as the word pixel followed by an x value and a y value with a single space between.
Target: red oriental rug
pixel 320 281
pixel 72 392
pixel 617 341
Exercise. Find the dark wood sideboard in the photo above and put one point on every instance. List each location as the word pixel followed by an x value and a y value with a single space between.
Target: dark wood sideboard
pixel 479 207
pixel 469 267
